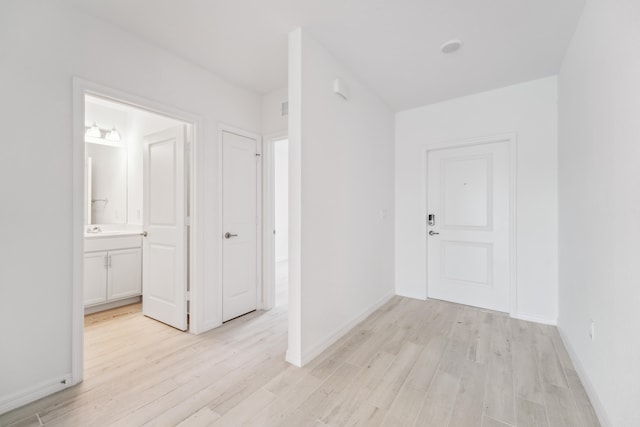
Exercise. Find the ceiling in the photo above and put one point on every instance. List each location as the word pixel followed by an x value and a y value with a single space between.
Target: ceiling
pixel 392 45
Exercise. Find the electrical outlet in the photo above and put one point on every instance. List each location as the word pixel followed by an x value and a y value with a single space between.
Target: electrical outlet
pixel 592 330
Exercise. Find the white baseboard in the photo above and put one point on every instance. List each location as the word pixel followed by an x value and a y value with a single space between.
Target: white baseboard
pixel 206 327
pixel 294 360
pixel 603 417
pixel 30 394
pixel 536 319
pixel 112 304
pixel 413 296
pixel 331 338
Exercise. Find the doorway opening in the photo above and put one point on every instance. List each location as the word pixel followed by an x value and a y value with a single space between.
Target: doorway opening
pixel 281 221
pixel 134 231
pixel 276 237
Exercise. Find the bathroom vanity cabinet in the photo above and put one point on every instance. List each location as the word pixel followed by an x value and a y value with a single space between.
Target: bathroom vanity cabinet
pixel 112 269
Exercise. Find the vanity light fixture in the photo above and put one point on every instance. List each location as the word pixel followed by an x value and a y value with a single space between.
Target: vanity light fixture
pixel 113 135
pixel 96 133
pixel 93 131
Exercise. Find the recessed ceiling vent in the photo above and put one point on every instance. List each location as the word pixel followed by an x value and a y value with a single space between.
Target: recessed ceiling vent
pixel 451 46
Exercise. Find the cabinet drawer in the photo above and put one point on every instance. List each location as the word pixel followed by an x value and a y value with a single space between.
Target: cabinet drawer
pixel 109 243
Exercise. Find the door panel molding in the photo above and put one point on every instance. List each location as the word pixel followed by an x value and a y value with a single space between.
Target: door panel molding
pixel 511 139
pixel 471 281
pixel 488 175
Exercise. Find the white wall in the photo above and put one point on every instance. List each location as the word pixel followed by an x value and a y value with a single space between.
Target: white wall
pixel 43 45
pixel 281 199
pixel 343 153
pixel 272 119
pixel 599 181
pixel 528 109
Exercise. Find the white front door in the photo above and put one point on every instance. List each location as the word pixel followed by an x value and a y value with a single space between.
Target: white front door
pixel 240 225
pixel 468 225
pixel 164 266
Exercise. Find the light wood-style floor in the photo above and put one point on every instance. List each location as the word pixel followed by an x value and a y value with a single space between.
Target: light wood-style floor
pixel 410 363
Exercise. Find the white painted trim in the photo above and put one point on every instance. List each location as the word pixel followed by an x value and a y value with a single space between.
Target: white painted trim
pixel 294 343
pixel 601 412
pixel 530 318
pixel 512 142
pixel 82 87
pixel 77 307
pixel 334 336
pixel 30 394
pixel 259 275
pixel 112 304
pixel 268 216
pixel 293 357
pixel 269 261
pixel 260 225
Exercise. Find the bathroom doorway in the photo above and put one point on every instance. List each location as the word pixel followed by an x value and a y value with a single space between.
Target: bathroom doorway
pixel 134 228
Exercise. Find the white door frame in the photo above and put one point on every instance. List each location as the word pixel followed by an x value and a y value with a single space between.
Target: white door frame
pixel 259 212
pixel 512 143
pixel 81 88
pixel 268 250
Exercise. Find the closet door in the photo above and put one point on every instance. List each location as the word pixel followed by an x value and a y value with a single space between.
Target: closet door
pixel 239 217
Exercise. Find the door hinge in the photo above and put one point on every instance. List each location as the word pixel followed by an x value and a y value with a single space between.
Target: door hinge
pixel 187 220
pixel 187 295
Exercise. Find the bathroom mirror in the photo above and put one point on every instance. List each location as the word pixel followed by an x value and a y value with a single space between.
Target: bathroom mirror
pixel 105 184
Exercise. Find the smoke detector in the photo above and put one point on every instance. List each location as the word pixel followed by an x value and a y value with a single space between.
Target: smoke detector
pixel 451 46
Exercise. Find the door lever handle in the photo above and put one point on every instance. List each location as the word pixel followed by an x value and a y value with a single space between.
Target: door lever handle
pixel 228 235
pixel 433 233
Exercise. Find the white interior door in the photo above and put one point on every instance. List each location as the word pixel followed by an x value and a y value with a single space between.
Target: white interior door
pixel 164 265
pixel 240 225
pixel 468 235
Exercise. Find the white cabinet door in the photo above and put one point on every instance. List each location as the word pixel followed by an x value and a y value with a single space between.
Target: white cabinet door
pixel 239 217
pixel 125 273
pixel 95 278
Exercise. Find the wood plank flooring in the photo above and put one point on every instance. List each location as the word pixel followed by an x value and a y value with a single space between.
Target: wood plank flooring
pixel 411 363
